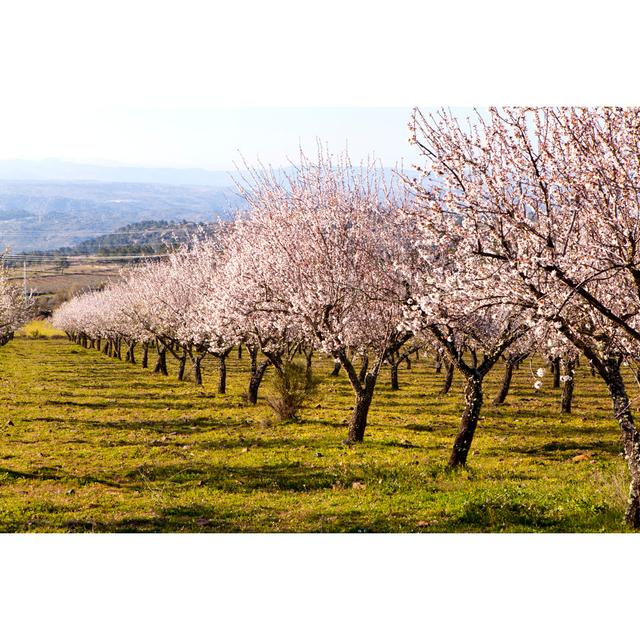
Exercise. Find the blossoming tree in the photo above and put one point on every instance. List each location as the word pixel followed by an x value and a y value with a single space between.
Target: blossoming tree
pixel 547 200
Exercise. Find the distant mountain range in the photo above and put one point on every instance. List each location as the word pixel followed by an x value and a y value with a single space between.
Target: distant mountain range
pixel 51 204
pixel 148 237
pixel 39 215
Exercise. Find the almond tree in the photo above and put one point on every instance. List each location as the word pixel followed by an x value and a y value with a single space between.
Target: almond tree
pixel 547 201
pixel 207 326
pixel 455 305
pixel 315 255
pixel 15 307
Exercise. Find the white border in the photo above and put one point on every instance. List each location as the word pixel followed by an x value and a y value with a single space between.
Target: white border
pixel 317 54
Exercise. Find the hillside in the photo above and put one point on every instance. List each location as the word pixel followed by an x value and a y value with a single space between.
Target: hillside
pixel 139 238
pixel 48 215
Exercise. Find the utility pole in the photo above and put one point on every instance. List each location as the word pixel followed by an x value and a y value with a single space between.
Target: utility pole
pixel 24 278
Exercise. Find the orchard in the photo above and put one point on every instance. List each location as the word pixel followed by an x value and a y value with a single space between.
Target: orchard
pixel 514 239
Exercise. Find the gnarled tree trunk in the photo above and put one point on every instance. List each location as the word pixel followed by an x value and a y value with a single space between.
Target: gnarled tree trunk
pixel 255 380
pixel 448 378
pixel 502 394
pixel 469 421
pixel 161 362
pixel 395 385
pixel 358 421
pixel 308 372
pixel 197 371
pixel 257 373
pixel 555 368
pixel 222 374
pixel 630 437
pixel 131 353
pixel 145 355
pixel 182 364
pixel 222 369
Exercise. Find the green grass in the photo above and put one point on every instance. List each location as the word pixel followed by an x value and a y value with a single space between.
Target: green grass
pixel 88 443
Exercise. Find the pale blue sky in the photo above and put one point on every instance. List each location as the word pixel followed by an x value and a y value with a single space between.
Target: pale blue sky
pixel 210 138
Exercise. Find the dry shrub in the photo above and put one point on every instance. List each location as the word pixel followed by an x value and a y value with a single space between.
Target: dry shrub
pixel 291 388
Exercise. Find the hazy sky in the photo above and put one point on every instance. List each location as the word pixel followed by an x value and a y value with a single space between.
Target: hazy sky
pixel 211 138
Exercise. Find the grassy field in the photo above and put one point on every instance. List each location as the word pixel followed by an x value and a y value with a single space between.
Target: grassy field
pixel 88 443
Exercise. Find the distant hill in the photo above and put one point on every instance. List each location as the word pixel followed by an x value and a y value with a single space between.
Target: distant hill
pixel 141 238
pixel 50 204
pixel 44 215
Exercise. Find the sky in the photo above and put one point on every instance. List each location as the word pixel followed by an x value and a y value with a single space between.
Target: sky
pixel 206 137
pixel 190 84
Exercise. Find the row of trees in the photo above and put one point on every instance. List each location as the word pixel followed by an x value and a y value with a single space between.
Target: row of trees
pixel 15 307
pixel 520 234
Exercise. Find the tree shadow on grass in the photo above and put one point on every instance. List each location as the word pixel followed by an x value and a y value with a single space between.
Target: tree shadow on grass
pixel 182 425
pixel 560 449
pixel 284 477
pixel 42 473
pixel 55 473
pixel 206 519
pixel 180 519
pixel 512 513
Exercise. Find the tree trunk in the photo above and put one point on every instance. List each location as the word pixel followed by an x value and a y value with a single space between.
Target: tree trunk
pixel 240 351
pixel 394 376
pixel 98 344
pixel 358 422
pixel 131 353
pixel 161 362
pixel 145 355
pixel 448 379
pixel 336 369
pixel 255 380
pixel 438 368
pixel 506 382
pixel 222 373
pixel 474 358
pixel 182 364
pixel 568 385
pixel 630 438
pixel 197 370
pixel 468 423
pixel 556 372
pixel 309 367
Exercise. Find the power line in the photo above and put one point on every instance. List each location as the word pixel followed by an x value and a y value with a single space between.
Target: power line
pixel 35 258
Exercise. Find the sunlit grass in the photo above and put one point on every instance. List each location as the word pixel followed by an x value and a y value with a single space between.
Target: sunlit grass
pixel 39 329
pixel 88 443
